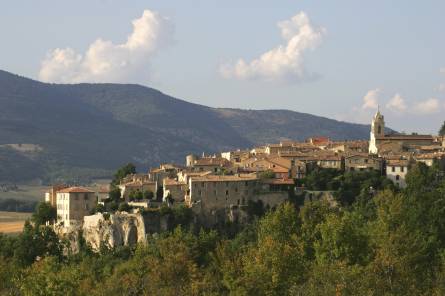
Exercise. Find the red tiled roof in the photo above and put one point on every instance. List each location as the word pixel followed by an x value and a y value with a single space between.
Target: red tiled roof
pixel 75 190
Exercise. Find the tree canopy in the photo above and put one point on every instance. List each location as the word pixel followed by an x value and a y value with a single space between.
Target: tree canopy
pixel 391 242
pixel 442 130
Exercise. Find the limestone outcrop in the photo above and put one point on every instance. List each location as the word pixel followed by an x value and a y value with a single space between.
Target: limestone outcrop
pixel 118 229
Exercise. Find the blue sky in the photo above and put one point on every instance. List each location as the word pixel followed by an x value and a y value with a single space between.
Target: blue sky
pixel 356 55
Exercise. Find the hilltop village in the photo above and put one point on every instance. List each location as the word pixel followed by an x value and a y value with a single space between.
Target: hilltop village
pixel 219 188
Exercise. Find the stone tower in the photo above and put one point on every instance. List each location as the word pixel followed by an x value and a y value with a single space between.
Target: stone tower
pixel 190 160
pixel 377 131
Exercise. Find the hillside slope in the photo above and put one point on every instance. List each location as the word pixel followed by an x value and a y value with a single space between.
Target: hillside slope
pixel 90 129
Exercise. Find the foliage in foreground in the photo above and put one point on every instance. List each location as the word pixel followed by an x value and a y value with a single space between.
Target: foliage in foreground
pixel 390 244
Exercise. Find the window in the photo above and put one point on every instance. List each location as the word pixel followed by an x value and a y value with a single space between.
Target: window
pixel 85 197
pixel 379 130
pixel 216 170
pixel 366 160
pixel 393 169
pixel 227 192
pixel 202 184
pixel 397 177
pixel 199 192
pixel 402 169
pixel 214 192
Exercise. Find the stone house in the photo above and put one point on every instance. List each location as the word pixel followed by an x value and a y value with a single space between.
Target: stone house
pixel 73 204
pixel 280 167
pixel 175 189
pixel 142 185
pixel 215 192
pixel 396 170
pixel 51 195
pixel 214 164
pixel 363 162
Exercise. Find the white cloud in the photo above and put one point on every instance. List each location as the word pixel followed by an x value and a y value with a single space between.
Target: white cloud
pixel 105 61
pixel 371 99
pixel 397 104
pixel 442 70
pixel 441 87
pixel 284 62
pixel 428 106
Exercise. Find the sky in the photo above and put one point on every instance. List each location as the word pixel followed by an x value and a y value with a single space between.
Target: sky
pixel 339 59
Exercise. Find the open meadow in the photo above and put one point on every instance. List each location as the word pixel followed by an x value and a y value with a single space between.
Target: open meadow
pixel 12 222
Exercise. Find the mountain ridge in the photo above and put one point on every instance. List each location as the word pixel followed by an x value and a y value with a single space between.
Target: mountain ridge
pixel 90 129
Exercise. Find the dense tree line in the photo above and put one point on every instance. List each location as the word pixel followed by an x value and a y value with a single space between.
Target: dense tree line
pixel 390 242
pixel 15 205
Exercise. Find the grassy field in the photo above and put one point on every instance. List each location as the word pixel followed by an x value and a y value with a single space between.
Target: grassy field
pixel 12 222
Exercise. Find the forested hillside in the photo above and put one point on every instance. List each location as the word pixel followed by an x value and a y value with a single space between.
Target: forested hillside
pixel 384 242
pixel 87 130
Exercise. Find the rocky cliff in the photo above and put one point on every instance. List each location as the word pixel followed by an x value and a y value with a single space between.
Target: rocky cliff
pixel 119 229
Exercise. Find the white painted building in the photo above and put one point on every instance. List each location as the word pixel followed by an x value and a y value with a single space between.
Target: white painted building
pixel 377 131
pixel 396 171
pixel 73 204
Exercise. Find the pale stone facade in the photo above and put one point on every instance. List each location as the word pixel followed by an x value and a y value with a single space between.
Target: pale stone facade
pixel 377 131
pixel 73 204
pixel 215 192
pixel 396 171
pixel 363 162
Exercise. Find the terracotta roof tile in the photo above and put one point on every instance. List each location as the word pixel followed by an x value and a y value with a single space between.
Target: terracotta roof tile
pixel 75 190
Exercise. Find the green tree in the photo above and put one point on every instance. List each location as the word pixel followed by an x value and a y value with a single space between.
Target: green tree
pixel 344 237
pixel 44 213
pixel 148 194
pixel 405 249
pixel 115 194
pixel 124 207
pixel 38 241
pixel 442 130
pixel 269 174
pixel 122 172
pixel 276 261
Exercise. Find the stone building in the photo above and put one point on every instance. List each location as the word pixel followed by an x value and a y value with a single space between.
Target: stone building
pixel 209 163
pixel 175 189
pixel 236 156
pixel 213 197
pixel 137 182
pixel 51 195
pixel 73 204
pixel 378 137
pixel 215 192
pixel 280 167
pixel 363 162
pixel 396 170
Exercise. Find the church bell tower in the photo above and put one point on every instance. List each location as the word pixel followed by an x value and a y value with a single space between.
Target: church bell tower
pixel 377 131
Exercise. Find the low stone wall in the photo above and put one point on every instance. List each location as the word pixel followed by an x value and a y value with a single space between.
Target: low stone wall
pixel 272 199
